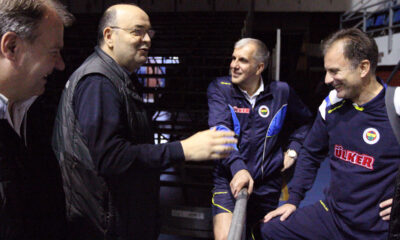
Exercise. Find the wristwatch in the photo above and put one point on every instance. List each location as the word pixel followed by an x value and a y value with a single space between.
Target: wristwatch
pixel 292 153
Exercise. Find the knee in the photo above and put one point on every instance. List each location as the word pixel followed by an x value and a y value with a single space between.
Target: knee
pixel 266 231
pixel 221 226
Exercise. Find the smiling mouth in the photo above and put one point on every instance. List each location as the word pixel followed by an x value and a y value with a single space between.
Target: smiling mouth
pixel 235 74
pixel 338 88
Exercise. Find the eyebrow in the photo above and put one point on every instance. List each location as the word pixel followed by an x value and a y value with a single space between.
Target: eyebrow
pixel 141 26
pixel 332 69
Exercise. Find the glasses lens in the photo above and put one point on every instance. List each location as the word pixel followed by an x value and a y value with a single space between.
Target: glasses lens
pixel 151 33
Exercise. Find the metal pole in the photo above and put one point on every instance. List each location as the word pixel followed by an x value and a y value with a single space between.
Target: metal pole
pixel 393 73
pixel 364 20
pixel 237 228
pixel 390 30
pixel 278 54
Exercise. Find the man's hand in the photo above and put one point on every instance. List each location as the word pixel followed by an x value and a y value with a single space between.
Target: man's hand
pixel 284 211
pixel 385 214
pixel 208 144
pixel 287 161
pixel 241 179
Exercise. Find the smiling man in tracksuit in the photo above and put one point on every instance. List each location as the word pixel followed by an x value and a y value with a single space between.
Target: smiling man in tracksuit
pixel 352 126
pixel 256 111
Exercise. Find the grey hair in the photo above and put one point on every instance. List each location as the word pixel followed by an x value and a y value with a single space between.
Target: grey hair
pixel 24 16
pixel 261 54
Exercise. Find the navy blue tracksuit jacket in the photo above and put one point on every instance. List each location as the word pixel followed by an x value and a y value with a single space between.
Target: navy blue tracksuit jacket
pixel 262 135
pixel 364 157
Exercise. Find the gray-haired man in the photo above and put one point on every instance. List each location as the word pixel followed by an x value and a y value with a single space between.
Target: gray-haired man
pixel 257 110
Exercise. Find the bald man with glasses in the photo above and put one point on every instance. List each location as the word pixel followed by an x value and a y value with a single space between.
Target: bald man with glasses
pixel 103 138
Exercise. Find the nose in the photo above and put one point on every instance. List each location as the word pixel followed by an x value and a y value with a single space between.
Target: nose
pixel 328 78
pixel 234 64
pixel 59 65
pixel 147 38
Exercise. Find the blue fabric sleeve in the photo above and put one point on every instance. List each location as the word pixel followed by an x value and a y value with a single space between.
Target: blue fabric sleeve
pixel 101 115
pixel 220 114
pixel 311 155
pixel 300 116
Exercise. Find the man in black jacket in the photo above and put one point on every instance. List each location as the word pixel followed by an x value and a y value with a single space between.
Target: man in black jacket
pixel 31 197
pixel 103 138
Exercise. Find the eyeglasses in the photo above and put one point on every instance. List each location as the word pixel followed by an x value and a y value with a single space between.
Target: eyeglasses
pixel 137 32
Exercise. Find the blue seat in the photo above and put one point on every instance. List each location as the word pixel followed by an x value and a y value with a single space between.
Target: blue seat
pixel 381 20
pixel 396 16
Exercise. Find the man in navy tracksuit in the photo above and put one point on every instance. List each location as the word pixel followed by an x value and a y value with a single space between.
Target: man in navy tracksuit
pixel 352 126
pixel 256 111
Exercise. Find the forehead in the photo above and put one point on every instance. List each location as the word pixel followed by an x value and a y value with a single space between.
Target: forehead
pixel 334 55
pixel 246 51
pixel 131 16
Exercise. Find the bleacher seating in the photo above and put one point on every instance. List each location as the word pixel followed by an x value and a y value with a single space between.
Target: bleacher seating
pixel 396 16
pixel 381 20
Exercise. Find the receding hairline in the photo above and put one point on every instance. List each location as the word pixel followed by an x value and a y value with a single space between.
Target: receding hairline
pixel 117 8
pixel 260 50
pixel 255 46
pixel 343 41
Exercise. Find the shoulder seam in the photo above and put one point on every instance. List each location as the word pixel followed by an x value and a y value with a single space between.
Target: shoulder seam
pixel 330 104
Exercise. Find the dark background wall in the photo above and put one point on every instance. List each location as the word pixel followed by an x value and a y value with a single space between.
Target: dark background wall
pixel 202 36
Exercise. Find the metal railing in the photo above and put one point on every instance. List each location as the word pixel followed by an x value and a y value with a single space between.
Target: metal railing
pixel 238 224
pixel 362 15
pixel 362 11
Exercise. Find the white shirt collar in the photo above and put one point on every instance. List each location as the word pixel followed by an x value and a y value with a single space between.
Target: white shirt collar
pixel 3 106
pixel 252 99
pixel 19 111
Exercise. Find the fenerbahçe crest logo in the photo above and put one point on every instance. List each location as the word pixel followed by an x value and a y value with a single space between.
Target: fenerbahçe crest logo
pixel 371 135
pixel 263 111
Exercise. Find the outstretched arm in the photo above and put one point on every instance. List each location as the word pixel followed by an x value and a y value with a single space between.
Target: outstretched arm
pixel 100 110
pixel 220 114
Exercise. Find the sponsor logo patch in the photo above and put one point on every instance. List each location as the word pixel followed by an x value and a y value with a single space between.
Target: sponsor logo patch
pixel 241 110
pixel 353 157
pixel 263 111
pixel 371 136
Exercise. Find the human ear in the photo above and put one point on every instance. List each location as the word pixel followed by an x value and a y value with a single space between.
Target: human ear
pixel 364 66
pixel 9 45
pixel 107 36
pixel 260 68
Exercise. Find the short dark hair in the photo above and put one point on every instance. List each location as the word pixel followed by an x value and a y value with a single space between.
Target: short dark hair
pixel 23 16
pixel 108 19
pixel 358 46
